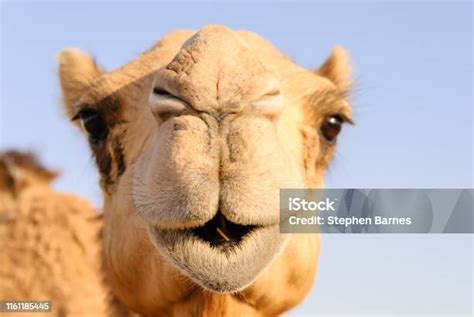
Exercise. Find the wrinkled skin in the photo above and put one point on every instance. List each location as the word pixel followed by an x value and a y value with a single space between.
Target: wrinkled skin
pixel 205 128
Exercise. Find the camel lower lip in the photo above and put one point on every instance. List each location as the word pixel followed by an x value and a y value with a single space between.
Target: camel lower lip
pixel 230 267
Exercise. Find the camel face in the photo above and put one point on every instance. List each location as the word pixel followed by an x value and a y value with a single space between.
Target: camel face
pixel 193 141
pixel 217 155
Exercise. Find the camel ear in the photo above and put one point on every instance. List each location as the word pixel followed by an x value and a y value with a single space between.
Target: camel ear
pixel 77 71
pixel 337 68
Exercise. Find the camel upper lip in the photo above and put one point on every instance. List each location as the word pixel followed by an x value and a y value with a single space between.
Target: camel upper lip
pixel 221 233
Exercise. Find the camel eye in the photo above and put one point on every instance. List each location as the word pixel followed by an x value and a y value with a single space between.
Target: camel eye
pixel 94 124
pixel 331 127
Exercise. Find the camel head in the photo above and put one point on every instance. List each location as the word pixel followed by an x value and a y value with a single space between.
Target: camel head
pixel 19 170
pixel 193 141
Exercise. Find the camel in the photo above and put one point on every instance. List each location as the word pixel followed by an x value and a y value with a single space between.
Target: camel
pixel 50 243
pixel 193 141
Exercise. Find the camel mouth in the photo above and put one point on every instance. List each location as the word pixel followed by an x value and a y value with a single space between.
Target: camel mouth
pixel 222 233
pixel 220 256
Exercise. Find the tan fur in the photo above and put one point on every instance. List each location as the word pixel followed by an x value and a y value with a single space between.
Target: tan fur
pixel 85 70
pixel 338 69
pixel 49 242
pixel 247 123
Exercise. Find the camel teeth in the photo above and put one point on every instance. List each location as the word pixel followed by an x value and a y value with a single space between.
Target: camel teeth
pixel 222 234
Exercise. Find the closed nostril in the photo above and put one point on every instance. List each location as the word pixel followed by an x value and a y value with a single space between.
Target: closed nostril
pixel 164 105
pixel 272 93
pixel 161 91
pixel 270 101
pixel 270 104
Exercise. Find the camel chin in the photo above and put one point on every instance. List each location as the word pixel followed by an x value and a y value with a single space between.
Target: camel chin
pixel 216 264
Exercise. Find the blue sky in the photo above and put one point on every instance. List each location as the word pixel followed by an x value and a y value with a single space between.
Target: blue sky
pixel 412 101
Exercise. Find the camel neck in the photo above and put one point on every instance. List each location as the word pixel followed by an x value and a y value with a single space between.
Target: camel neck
pixel 206 304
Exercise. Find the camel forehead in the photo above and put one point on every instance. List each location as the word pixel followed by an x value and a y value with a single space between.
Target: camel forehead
pixel 216 48
pixel 216 68
pixel 233 63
